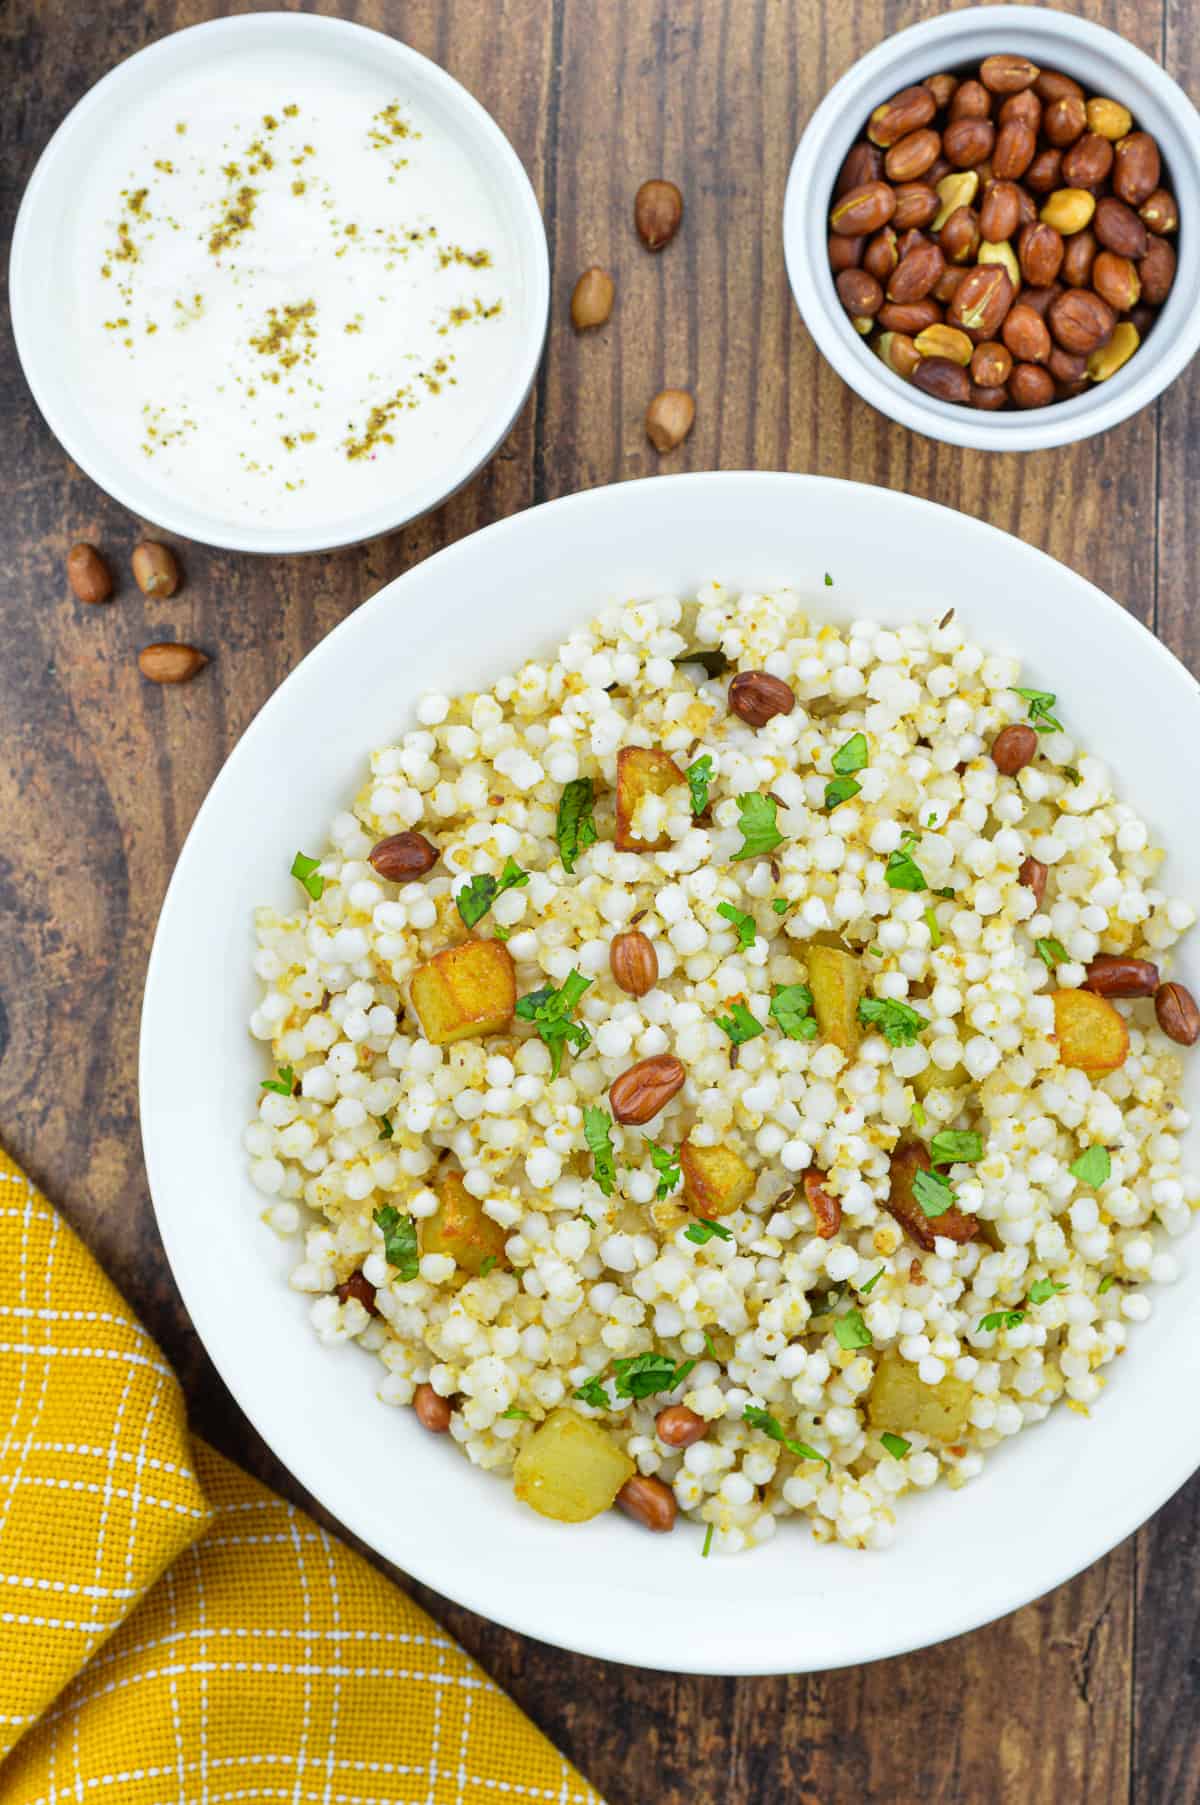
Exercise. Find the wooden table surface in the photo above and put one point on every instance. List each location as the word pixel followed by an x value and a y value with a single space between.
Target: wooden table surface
pixel 1089 1694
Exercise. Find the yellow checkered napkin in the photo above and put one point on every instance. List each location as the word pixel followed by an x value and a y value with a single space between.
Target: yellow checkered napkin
pixel 170 1631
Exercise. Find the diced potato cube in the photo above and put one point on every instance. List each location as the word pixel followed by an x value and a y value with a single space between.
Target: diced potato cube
pixel 835 978
pixel 668 1214
pixel 570 1468
pixel 465 991
pixel 1091 1034
pixel 910 1158
pixel 932 1078
pixel 460 1228
pixel 642 771
pixel 716 1180
pixel 899 1401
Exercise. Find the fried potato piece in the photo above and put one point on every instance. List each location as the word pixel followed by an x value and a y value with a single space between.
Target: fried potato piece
pixel 1091 1034
pixel 570 1469
pixel 642 771
pixel 908 1159
pixel 460 1228
pixel 899 1401
pixel 932 1078
pixel 716 1180
pixel 465 991
pixel 835 978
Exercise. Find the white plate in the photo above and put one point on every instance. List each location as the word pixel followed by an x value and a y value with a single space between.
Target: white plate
pixel 130 107
pixel 1048 1503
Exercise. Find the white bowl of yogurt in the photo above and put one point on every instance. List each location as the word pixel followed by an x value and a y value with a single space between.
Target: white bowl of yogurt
pixel 279 283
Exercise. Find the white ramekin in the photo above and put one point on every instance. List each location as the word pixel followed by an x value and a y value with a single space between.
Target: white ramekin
pixel 37 280
pixel 1105 64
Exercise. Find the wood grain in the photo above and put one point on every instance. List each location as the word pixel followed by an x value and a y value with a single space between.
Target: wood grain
pixel 1089 1694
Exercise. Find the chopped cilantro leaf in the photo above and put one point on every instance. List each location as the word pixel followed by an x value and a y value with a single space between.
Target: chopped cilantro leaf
pixel 852 1332
pixel 791 1007
pixel 708 1537
pixel 1106 1283
pixel 597 1132
pixel 476 898
pixel 1093 1167
pixel 839 790
pixel 1051 952
pixel 1040 701
pixel 935 932
pixel 592 1392
pixel 745 925
pixel 283 1083
pixel 487 1265
pixel 702 1231
pixel 853 756
pixel 712 1352
pixel 550 1011
pixel 902 871
pixel 828 581
pixel 666 1164
pixel 699 776
pixel 739 1024
pixel 781 905
pixel 918 1115
pixel 948 892
pixel 1002 1319
pixel 899 1023
pixel 762 1419
pixel 895 1445
pixel 305 869
pixel 1071 774
pixel 950 1145
pixel 643 1375
pixel 386 1131
pixel 871 1282
pixel 512 1414
pixel 933 1193
pixel 575 828
pixel 400 1247
pixel 1041 1289
pixel 757 824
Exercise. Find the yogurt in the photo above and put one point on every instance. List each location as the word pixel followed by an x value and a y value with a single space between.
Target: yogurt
pixel 296 294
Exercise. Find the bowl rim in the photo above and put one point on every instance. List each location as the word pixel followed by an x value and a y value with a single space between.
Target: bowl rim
pixel 171 512
pixel 493 1594
pixel 963 34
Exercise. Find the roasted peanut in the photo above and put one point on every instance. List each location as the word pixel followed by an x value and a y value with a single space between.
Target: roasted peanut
pixel 1158 212
pixel 915 274
pixel 1052 84
pixel 88 574
pixel 916 206
pixel 1156 271
pixel 1033 875
pixel 1024 106
pixel 1115 280
pixel 1015 746
pixel 669 419
pixel 988 400
pixel 638 1094
pixel 1064 120
pixel 1014 150
pixel 903 113
pixel 1045 172
pixel 910 157
pixel 859 293
pixel 1040 251
pixel 826 1208
pixel 1000 212
pixel 756 697
pixel 1068 210
pixel 592 300
pixel 657 212
pixel 1007 74
pixel 360 1289
pixel 633 962
pixel 1138 168
pixel 863 210
pixel 984 297
pixel 954 191
pixel 1087 163
pixel 1039 298
pixel 863 164
pixel 1067 391
pixel 402 857
pixel 1030 386
pixel 1080 320
pixel 844 253
pixel 1079 255
pixel 881 255
pixel 943 379
pixel 1005 256
pixel 945 341
pixel 991 365
pixel 1108 358
pixel 1109 119
pixel 966 142
pixel 899 353
pixel 649 1501
pixel 1119 229
pixel 433 1411
pixel 167 661
pixel 959 237
pixel 155 570
pixel 948 282
pixel 679 1427
pixel 1178 1016
pixel 970 100
pixel 909 317
pixel 1067 366
pixel 1026 335
pixel 1113 975
pixel 942 88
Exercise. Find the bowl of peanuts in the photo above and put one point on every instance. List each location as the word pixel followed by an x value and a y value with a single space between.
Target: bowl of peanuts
pixel 987 215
